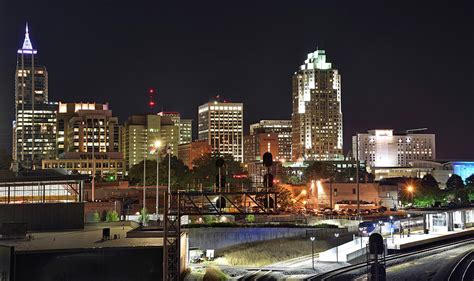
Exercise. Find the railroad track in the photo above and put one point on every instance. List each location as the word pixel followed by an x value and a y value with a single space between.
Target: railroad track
pixel 362 266
pixel 464 268
pixel 265 273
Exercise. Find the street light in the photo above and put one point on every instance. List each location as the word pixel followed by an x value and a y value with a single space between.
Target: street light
pixel 144 180
pixel 337 246
pixel 157 150
pixel 312 238
pixel 380 225
pixel 410 189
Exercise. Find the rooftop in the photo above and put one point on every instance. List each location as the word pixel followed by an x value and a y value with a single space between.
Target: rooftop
pixel 89 237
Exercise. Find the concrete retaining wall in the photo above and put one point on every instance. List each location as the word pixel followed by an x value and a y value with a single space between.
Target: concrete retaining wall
pixel 221 237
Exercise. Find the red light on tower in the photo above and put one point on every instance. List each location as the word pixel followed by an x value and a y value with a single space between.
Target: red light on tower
pixel 151 92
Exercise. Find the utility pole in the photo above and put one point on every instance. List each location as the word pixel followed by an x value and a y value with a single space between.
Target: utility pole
pixel 144 182
pixel 357 175
pixel 157 150
pixel 168 150
pixel 93 162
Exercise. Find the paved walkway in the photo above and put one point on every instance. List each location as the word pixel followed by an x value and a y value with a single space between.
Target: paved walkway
pixel 416 239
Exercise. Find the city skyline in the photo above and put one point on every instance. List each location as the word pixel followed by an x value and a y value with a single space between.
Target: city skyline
pixel 409 73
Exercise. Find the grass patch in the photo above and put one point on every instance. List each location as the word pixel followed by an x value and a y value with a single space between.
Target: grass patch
pixel 214 274
pixel 267 252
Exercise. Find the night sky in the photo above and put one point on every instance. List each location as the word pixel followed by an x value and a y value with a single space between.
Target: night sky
pixel 407 64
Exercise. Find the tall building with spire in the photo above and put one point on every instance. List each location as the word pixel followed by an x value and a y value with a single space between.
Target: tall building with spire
pixel 34 127
pixel 317 114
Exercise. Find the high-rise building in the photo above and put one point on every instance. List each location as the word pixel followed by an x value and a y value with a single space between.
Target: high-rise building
pixel 283 130
pixel 317 115
pixel 140 133
pixel 88 140
pixel 185 131
pixel 221 124
pixel 34 127
pixel 87 127
pixel 170 130
pixel 383 148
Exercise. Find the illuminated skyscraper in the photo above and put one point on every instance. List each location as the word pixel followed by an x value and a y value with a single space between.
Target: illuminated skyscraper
pixel 34 127
pixel 221 124
pixel 317 115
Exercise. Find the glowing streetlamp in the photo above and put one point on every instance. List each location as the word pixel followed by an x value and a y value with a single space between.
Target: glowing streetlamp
pixel 337 246
pixel 411 189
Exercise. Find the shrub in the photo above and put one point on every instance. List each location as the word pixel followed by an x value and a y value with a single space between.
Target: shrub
pixel 144 217
pixel 250 218
pixel 96 217
pixel 209 219
pixel 112 216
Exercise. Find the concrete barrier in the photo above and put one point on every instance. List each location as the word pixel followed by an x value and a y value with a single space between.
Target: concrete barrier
pixel 221 237
pixel 345 252
pixel 324 233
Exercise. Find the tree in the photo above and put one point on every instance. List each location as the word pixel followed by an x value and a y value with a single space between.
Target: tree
pixel 181 176
pixel 284 198
pixel 428 181
pixel 454 182
pixel 319 170
pixel 5 160
pixel 428 192
pixel 470 181
pixel 205 171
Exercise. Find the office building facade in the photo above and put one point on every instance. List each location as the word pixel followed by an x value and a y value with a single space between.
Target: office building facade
pixel 87 127
pixel 170 125
pixel 88 141
pixel 384 148
pixel 317 114
pixel 141 132
pixel 189 152
pixel 185 131
pixel 255 145
pixel 221 124
pixel 283 130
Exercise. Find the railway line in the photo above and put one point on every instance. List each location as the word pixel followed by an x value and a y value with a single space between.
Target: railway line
pixel 354 271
